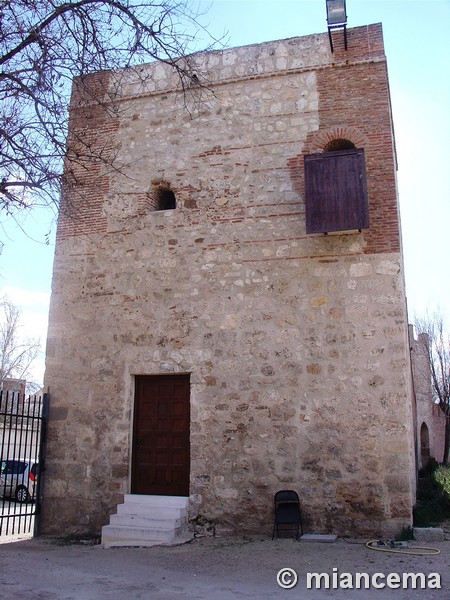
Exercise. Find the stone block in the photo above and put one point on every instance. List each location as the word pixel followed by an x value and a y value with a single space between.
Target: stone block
pixel 318 537
pixel 428 534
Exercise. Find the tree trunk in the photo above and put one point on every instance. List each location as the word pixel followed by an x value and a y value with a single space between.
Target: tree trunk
pixel 447 440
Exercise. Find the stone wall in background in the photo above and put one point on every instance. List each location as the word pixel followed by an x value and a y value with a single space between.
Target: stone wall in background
pixel 430 420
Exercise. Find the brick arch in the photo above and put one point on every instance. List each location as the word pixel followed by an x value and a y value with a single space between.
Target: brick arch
pixel 319 139
pixel 315 143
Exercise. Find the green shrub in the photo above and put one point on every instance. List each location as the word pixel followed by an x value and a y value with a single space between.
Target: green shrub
pixel 442 476
pixel 433 499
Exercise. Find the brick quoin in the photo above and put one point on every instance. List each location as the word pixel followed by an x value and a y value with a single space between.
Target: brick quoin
pixel 90 145
pixel 345 93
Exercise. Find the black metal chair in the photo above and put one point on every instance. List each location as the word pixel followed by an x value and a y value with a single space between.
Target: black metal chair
pixel 287 513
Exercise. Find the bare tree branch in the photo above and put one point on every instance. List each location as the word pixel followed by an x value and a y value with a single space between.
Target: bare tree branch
pixel 44 46
pixel 17 353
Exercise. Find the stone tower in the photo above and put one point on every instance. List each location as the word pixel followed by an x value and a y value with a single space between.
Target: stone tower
pixel 228 313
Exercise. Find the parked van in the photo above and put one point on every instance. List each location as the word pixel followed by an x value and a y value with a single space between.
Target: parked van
pixel 18 479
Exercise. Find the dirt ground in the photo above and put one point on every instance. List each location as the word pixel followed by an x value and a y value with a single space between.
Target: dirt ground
pixel 208 568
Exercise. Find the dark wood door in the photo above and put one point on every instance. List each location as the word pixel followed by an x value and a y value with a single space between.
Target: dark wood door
pixel 161 457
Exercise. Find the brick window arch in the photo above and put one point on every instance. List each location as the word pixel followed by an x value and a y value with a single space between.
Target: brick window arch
pixel 339 144
pixel 320 139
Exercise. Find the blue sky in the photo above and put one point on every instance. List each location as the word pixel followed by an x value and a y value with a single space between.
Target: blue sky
pixel 416 37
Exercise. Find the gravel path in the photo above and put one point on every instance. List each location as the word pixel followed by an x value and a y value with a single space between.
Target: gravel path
pixel 206 568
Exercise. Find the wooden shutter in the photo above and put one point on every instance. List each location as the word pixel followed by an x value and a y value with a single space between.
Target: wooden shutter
pixel 336 191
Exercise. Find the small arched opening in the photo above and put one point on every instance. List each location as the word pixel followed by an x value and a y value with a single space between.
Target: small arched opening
pixel 165 199
pixel 424 445
pixel 339 144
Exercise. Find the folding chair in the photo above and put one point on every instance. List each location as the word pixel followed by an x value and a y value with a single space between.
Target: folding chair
pixel 287 513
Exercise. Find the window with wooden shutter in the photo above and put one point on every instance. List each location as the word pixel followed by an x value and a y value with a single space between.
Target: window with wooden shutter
pixel 336 191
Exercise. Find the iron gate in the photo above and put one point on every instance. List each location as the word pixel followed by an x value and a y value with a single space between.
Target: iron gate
pixel 23 422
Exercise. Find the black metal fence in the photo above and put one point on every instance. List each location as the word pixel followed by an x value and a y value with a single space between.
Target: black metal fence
pixel 23 422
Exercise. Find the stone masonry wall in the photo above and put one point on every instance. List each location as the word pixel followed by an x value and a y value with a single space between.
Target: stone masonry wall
pixel 428 414
pixel 296 344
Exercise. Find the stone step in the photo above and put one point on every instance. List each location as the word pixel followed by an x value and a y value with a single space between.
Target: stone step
pixel 116 536
pixel 181 501
pixel 132 508
pixel 143 520
pixel 136 535
pixel 148 521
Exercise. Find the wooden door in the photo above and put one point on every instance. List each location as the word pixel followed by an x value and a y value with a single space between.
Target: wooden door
pixel 161 451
